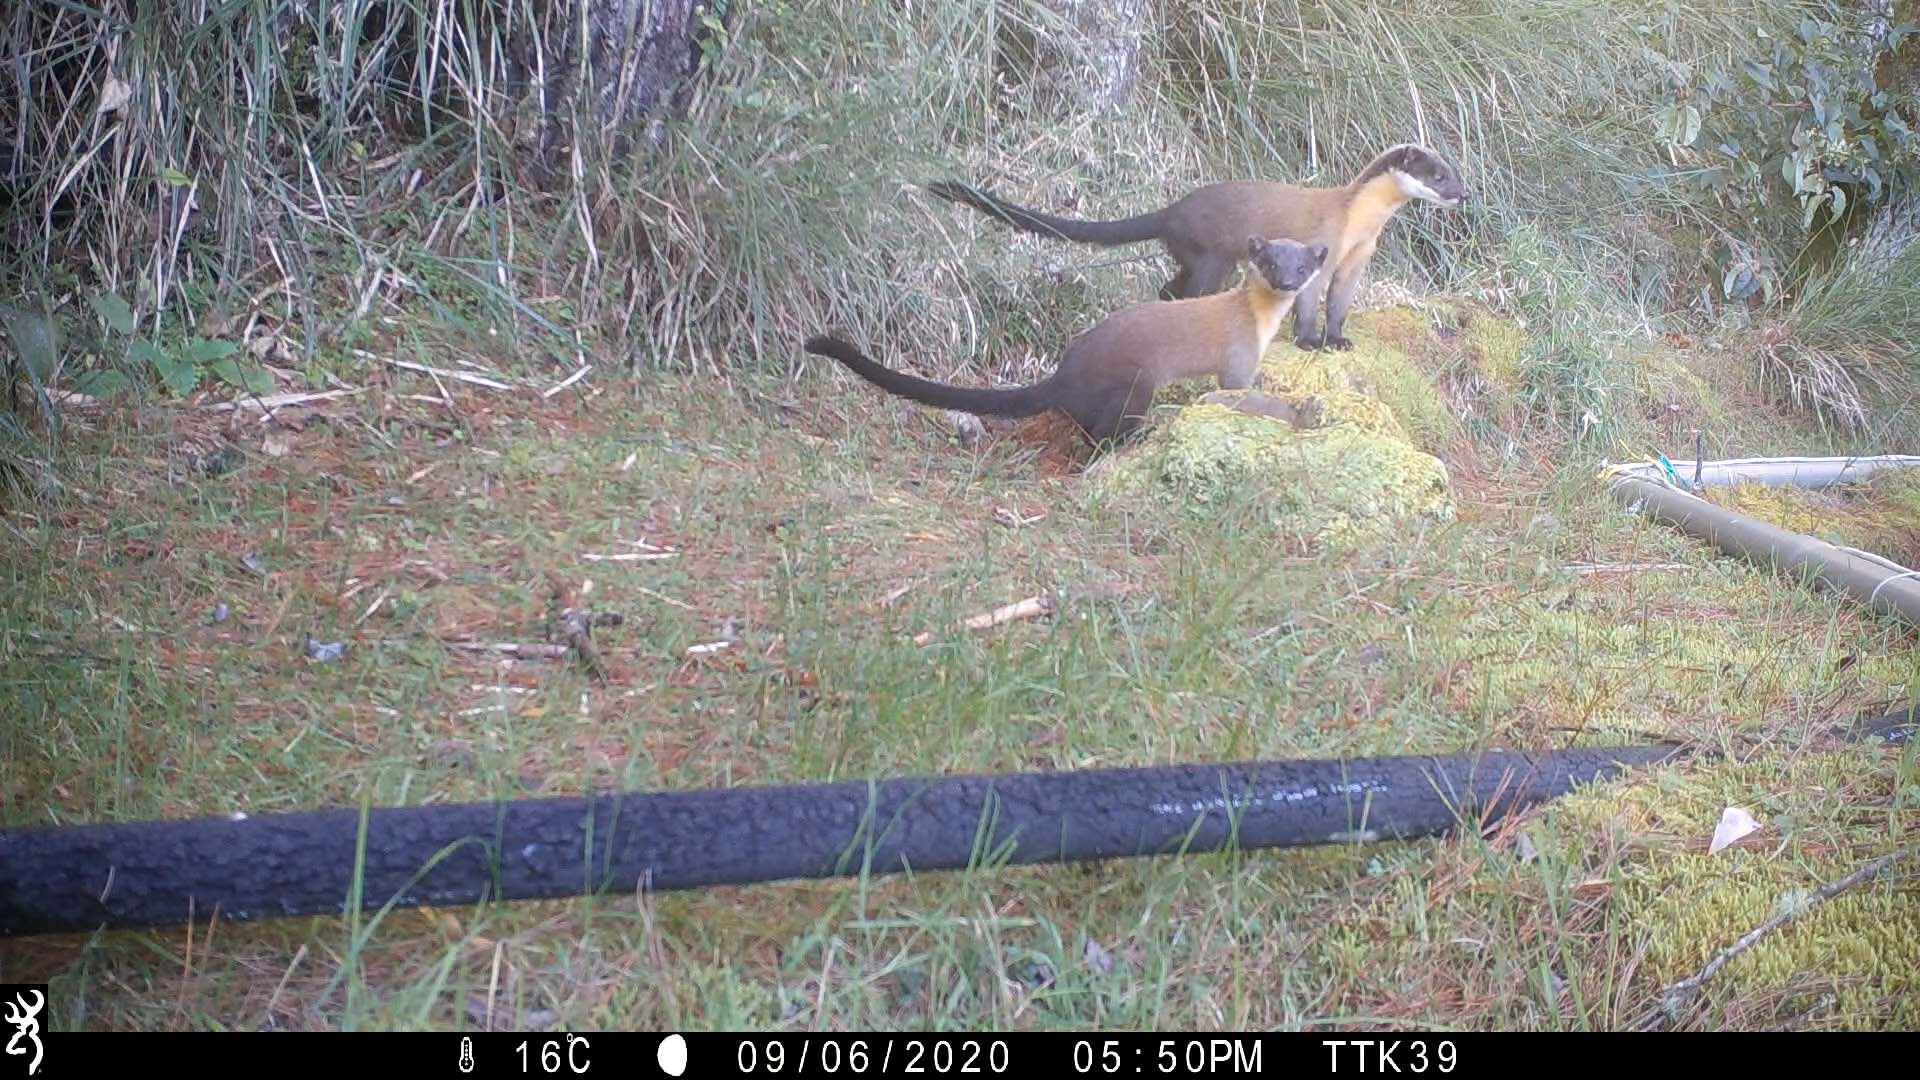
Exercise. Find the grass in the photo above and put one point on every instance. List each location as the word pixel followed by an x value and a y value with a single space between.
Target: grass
pixel 819 527
pixel 792 522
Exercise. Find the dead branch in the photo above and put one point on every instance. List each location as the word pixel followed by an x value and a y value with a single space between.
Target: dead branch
pixel 1622 568
pixel 568 381
pixel 576 626
pixel 268 404
pixel 437 373
pixel 540 650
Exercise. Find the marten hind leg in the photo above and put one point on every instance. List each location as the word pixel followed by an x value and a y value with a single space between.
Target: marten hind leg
pixel 1112 414
pixel 1210 273
pixel 1176 289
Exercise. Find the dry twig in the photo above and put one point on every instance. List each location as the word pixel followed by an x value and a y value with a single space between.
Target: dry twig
pixel 1029 608
pixel 1679 995
pixel 437 373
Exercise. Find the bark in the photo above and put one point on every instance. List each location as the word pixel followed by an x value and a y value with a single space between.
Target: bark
pixel 1091 61
pixel 1891 229
pixel 618 67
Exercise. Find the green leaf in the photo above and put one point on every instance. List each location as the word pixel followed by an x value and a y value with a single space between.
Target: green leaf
pixel 251 379
pixel 114 311
pixel 179 379
pixel 1689 125
pixel 103 384
pixel 175 177
pixel 1838 197
pixel 201 350
pixel 1760 73
pixel 37 339
pixel 259 380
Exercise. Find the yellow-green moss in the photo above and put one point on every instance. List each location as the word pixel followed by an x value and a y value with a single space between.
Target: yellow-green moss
pixel 1900 489
pixel 1670 387
pixel 1631 655
pixel 1781 506
pixel 1497 349
pixel 1372 370
pixel 1863 945
pixel 1295 374
pixel 1410 373
pixel 1331 483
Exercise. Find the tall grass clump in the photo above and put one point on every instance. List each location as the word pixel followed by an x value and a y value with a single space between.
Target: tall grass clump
pixel 1846 345
pixel 202 163
pixel 313 165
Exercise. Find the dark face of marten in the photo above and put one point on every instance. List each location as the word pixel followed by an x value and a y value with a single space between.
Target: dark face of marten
pixel 1423 174
pixel 1285 265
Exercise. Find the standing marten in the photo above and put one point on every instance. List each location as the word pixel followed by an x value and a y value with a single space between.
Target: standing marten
pixel 1108 374
pixel 1203 230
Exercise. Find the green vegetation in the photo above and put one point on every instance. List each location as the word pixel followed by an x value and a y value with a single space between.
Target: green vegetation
pixel 304 194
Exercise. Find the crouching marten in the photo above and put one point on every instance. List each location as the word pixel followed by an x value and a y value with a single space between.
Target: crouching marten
pixel 1109 373
pixel 1203 230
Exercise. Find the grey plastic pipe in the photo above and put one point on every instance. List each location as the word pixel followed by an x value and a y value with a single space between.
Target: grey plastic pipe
pixel 1881 584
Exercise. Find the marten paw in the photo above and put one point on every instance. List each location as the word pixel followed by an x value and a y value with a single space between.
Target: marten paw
pixel 1338 341
pixel 1308 343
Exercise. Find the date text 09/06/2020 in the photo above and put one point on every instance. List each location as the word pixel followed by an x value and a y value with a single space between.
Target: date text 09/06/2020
pixel 886 1055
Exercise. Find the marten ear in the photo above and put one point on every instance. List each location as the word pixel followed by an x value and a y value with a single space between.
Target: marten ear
pixel 1253 246
pixel 1319 252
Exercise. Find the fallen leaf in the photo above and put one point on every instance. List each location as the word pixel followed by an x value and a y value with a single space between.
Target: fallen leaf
pixel 1098 958
pixel 1734 824
pixel 113 94
pixel 1526 849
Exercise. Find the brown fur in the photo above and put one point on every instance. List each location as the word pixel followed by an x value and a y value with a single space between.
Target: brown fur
pixel 1108 375
pixel 1203 230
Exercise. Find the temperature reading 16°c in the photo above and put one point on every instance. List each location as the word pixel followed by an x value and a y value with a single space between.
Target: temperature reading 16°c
pixel 553 1055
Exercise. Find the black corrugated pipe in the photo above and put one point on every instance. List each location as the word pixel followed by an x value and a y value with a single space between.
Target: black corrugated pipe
pixel 79 878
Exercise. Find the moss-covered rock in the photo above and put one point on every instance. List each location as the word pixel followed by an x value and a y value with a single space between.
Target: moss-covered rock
pixel 1357 383
pixel 1497 349
pixel 1340 443
pixel 1332 483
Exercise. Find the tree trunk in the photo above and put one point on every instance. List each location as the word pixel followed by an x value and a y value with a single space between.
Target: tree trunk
pixel 612 69
pixel 1087 59
pixel 1891 229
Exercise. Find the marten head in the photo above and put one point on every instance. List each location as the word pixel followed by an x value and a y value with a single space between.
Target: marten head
pixel 1285 265
pixel 1421 174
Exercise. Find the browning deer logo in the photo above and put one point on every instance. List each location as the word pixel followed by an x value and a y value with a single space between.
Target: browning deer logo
pixel 26 1021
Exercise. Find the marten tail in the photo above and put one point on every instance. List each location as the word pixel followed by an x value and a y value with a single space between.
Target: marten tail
pixel 1025 401
pixel 1125 231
